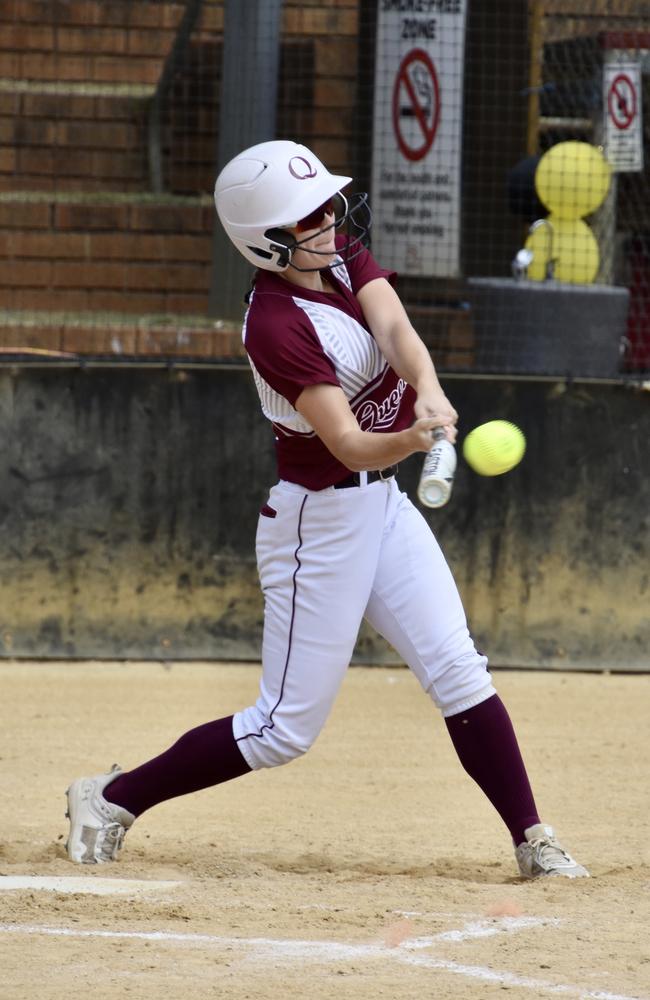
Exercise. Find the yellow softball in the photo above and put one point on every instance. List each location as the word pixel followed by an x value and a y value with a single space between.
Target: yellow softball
pixel 494 448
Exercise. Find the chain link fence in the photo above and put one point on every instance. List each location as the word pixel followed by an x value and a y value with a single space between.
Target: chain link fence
pixel 113 120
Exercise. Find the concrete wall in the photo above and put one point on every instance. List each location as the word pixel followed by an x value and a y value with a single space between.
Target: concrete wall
pixel 129 498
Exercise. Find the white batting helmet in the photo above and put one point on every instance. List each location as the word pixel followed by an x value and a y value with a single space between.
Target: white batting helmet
pixel 268 189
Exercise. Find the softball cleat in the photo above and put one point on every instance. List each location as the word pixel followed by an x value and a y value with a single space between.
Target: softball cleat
pixel 541 855
pixel 97 827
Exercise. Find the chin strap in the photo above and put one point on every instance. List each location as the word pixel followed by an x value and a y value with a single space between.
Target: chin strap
pixel 343 255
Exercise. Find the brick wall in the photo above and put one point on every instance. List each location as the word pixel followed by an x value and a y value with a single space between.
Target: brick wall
pixel 87 40
pixel 333 29
pixel 84 249
pixel 83 73
pixel 78 141
pixel 574 18
pixel 125 257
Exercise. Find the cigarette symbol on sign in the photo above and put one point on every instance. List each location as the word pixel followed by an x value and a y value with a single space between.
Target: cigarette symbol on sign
pixel 416 104
pixel 421 95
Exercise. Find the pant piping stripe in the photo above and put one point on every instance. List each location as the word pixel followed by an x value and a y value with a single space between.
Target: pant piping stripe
pixel 296 555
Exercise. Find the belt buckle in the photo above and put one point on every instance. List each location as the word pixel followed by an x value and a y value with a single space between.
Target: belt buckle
pixel 390 470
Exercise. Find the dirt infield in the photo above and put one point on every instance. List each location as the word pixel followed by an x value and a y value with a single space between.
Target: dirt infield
pixel 370 868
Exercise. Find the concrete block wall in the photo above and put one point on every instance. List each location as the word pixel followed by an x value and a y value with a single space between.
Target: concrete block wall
pixel 129 501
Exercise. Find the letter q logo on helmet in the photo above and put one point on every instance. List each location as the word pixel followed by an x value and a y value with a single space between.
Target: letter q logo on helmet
pixel 301 168
pixel 270 187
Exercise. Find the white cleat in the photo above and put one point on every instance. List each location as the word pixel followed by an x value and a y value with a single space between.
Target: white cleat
pixel 541 855
pixel 97 827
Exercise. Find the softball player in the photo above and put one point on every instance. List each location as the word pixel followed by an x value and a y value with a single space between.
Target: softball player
pixel 350 391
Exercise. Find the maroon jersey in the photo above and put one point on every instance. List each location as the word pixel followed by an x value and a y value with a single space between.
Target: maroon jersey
pixel 296 337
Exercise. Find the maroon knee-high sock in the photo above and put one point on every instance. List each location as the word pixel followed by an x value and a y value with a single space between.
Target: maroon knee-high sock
pixel 487 747
pixel 203 757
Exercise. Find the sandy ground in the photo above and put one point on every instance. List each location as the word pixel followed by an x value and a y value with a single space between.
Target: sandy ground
pixel 372 867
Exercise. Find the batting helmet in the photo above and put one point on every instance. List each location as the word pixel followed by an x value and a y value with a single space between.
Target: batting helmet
pixel 267 190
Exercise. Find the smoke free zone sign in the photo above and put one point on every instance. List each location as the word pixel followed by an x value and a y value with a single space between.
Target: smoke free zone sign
pixel 417 136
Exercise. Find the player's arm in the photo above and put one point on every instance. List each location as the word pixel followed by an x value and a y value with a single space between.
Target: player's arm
pixel 405 352
pixel 327 410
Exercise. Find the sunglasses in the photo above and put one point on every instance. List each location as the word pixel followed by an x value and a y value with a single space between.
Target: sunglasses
pixel 315 218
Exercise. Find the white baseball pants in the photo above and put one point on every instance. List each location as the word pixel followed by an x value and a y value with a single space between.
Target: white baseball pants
pixel 326 560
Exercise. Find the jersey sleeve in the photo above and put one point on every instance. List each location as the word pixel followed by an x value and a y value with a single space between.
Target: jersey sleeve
pixel 363 268
pixel 288 355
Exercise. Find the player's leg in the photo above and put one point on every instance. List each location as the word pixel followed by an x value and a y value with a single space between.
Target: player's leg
pixel 415 604
pixel 317 556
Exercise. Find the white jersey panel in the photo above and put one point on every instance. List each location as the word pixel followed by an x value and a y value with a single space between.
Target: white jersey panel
pixel 276 408
pixel 340 271
pixel 352 350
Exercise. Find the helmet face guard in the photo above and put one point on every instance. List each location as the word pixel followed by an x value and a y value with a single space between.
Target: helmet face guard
pixel 268 195
pixel 353 218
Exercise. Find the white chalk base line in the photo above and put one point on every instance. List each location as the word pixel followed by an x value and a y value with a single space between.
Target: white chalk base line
pixel 80 885
pixel 409 952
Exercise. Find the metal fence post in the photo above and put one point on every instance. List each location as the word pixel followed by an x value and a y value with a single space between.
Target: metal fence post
pixel 251 60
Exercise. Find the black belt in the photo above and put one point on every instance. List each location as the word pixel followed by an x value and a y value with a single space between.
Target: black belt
pixel 354 478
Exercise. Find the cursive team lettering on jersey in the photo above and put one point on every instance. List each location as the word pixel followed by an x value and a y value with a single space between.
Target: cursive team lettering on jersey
pixel 373 415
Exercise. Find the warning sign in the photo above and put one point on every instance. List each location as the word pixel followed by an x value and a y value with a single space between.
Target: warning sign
pixel 623 132
pixel 621 101
pixel 417 136
pixel 416 105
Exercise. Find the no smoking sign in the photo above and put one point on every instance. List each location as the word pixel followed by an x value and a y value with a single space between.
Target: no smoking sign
pixel 417 136
pixel 621 101
pixel 416 104
pixel 622 113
